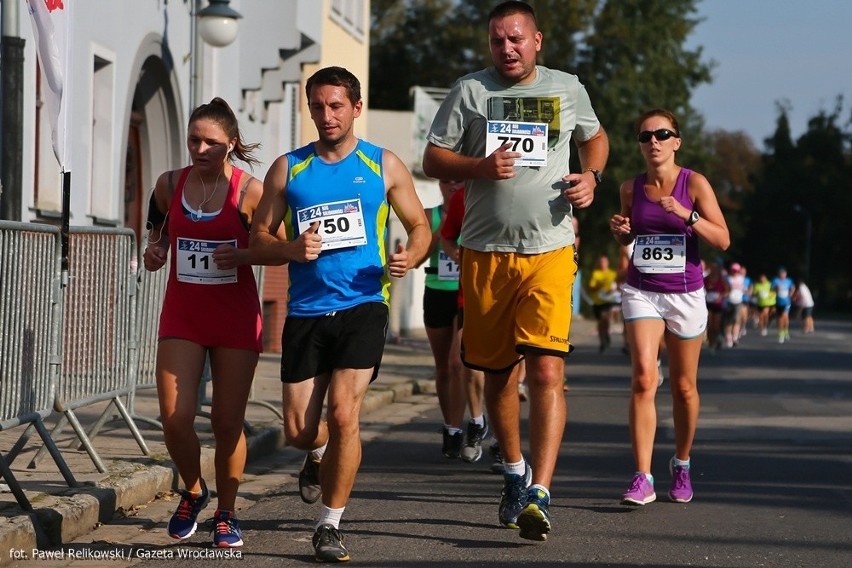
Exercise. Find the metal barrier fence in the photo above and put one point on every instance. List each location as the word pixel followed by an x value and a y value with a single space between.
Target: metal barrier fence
pixel 151 287
pixel 30 301
pixel 98 331
pixel 72 339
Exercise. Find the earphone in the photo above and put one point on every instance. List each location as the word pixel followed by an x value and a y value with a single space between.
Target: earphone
pixel 230 147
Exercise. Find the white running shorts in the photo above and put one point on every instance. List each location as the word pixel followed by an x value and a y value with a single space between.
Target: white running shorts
pixel 685 314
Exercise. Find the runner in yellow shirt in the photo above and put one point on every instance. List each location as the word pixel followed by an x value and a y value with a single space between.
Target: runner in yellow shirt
pixel 603 290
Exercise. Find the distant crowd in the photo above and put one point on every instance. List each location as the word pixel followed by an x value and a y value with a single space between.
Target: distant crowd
pixel 736 303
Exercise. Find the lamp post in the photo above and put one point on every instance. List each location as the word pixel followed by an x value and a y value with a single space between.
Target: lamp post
pixel 215 25
pixel 808 231
pixel 11 114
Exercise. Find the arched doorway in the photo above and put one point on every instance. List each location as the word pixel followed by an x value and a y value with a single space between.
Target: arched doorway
pixel 155 135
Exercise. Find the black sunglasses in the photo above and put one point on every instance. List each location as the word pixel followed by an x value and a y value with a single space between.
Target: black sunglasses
pixel 660 135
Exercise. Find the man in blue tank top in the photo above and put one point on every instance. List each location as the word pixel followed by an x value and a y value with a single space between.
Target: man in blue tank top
pixel 334 197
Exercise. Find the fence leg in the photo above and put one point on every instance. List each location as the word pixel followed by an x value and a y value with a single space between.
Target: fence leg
pixel 55 454
pixel 268 405
pixel 87 444
pixel 60 425
pixel 125 415
pixel 14 486
pixel 148 420
pixel 132 425
pixel 19 445
pixel 96 428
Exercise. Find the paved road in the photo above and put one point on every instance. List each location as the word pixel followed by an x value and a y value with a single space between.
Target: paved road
pixel 772 473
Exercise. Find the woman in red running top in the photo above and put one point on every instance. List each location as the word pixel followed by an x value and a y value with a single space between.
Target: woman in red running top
pixel 211 308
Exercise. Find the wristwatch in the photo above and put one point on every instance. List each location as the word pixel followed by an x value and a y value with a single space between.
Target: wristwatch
pixel 693 218
pixel 597 173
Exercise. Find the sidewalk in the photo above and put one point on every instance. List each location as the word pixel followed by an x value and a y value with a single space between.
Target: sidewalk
pixel 62 514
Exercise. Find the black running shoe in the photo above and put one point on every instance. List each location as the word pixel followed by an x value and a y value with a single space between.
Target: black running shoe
pixel 309 481
pixel 497 465
pixel 452 444
pixel 328 545
pixel 472 450
pixel 514 497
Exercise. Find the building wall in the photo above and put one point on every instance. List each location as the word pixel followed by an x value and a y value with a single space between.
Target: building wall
pixel 341 46
pixel 117 37
pixel 393 130
pixel 108 35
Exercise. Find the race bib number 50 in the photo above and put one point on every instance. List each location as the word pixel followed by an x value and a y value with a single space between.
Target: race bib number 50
pixel 341 223
pixel 660 254
pixel 528 138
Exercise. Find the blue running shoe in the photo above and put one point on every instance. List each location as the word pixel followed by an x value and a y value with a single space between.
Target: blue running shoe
pixel 226 530
pixel 534 520
pixel 514 497
pixel 184 522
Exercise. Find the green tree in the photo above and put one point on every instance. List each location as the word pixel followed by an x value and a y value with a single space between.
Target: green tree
pixel 419 42
pixel 734 162
pixel 804 183
pixel 634 59
pixel 432 43
pixel 770 206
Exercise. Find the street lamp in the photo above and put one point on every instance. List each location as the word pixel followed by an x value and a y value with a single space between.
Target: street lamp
pixel 218 24
pixel 808 230
pixel 215 25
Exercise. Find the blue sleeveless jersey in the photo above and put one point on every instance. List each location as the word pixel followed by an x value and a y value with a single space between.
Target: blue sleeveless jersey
pixel 345 277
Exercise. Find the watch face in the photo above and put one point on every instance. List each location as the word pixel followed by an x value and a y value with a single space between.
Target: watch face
pixel 693 217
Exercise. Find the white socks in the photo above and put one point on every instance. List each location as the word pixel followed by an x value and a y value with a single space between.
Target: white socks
pixel 519 468
pixel 318 453
pixel 330 517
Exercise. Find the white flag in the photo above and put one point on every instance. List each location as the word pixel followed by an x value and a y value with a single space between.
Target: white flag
pixel 51 27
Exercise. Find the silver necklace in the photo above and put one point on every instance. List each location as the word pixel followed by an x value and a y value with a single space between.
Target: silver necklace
pixel 199 213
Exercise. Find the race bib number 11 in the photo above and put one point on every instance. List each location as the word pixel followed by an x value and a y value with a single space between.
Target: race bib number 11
pixel 194 258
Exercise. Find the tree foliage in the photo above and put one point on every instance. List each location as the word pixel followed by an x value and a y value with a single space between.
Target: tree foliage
pixel 432 43
pixel 734 160
pixel 419 42
pixel 804 182
pixel 634 59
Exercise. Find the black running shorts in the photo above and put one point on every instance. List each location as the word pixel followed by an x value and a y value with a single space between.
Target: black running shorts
pixel 439 307
pixel 348 339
